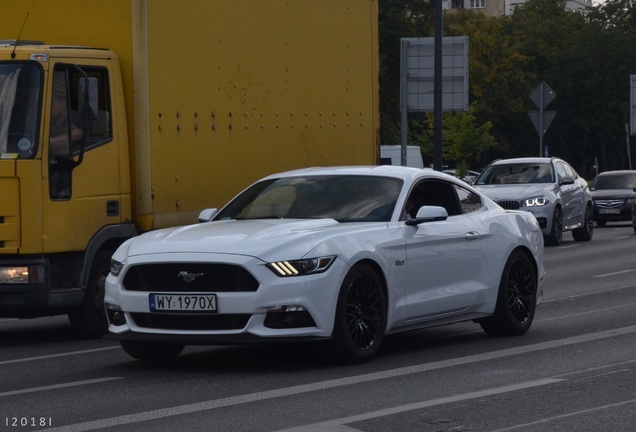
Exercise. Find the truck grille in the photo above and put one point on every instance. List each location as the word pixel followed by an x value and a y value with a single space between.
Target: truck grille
pixel 189 277
pixel 510 204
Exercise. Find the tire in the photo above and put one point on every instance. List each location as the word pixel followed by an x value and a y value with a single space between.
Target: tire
pixel 152 352
pixel 600 224
pixel 556 233
pixel 586 232
pixel 361 314
pixel 516 299
pixel 89 317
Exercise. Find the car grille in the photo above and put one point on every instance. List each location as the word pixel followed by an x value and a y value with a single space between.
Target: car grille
pixel 189 277
pixel 189 321
pixel 510 204
pixel 609 203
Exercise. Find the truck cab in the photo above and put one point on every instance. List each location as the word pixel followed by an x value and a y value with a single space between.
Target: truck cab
pixel 64 179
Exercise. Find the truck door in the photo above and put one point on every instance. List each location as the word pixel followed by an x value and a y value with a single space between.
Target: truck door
pixel 83 161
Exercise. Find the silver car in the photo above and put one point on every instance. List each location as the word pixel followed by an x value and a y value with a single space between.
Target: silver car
pixel 549 188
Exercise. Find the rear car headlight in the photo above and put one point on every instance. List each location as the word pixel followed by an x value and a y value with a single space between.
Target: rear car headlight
pixel 301 267
pixel 29 274
pixel 536 202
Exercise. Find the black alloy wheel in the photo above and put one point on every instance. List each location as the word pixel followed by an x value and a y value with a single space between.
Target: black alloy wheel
pixel 360 316
pixel 586 231
pixel 516 300
pixel 556 234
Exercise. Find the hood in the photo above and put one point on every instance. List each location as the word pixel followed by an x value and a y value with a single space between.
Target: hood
pixel 239 237
pixel 613 194
pixel 515 191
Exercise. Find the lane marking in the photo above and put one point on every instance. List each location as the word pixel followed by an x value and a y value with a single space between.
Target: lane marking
pixel 330 384
pixel 50 356
pixel 59 386
pixel 562 416
pixel 614 273
pixel 602 291
pixel 329 425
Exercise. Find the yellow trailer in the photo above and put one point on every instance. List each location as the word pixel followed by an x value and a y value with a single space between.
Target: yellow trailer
pixel 121 116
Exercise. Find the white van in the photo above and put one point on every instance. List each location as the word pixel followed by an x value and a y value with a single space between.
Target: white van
pixel 392 155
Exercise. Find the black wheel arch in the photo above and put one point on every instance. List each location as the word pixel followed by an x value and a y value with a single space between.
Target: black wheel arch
pixel 109 238
pixel 379 272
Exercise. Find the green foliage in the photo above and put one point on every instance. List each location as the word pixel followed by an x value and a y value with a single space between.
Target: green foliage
pixel 586 58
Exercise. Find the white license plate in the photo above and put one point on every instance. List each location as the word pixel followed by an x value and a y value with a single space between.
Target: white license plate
pixel 609 211
pixel 182 302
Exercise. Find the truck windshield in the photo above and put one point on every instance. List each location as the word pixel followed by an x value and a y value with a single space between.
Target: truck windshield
pixel 20 94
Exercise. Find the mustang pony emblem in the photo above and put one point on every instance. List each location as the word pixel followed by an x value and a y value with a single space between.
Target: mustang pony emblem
pixel 188 277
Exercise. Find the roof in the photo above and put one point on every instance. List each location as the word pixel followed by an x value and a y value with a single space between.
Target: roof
pixel 370 170
pixel 618 172
pixel 524 160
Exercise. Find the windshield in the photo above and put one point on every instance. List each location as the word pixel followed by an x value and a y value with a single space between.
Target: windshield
pixel 345 198
pixel 20 85
pixel 517 174
pixel 618 181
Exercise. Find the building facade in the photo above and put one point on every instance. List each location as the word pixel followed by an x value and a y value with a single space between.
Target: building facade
pixel 503 7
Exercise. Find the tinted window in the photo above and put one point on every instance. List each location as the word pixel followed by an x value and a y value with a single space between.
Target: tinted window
pixel 521 173
pixel 432 193
pixel 469 201
pixel 614 181
pixel 346 198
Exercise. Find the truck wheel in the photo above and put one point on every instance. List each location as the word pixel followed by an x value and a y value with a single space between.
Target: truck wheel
pixel 89 317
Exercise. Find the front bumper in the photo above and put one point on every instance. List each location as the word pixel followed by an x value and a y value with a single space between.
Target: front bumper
pixel 613 214
pixel 543 215
pixel 241 317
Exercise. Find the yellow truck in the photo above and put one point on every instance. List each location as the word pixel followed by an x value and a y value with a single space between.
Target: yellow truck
pixel 122 116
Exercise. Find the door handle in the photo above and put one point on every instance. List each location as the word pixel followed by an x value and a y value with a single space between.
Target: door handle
pixel 472 235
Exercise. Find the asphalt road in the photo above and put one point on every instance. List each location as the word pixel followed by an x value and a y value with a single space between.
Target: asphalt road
pixel 575 370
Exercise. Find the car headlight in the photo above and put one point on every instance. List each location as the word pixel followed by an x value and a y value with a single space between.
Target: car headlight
pixel 536 202
pixel 301 267
pixel 115 267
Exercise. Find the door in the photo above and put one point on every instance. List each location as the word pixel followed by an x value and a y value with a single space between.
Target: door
pixel 443 257
pixel 82 188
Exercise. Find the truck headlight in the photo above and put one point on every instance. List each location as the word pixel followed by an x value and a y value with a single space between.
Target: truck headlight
pixel 29 274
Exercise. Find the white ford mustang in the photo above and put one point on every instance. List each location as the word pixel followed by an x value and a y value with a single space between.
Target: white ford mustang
pixel 341 254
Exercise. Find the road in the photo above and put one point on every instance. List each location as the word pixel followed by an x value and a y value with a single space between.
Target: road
pixel 575 370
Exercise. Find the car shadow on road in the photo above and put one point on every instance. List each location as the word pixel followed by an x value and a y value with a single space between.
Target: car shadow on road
pixel 36 331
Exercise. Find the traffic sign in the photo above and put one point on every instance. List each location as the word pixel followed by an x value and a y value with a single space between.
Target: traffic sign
pixel 542 95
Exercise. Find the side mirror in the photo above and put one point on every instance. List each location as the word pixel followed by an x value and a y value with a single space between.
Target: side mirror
pixel 567 180
pixel 428 214
pixel 207 215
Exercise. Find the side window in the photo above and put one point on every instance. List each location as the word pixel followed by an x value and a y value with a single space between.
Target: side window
pixel 569 171
pixel 90 85
pixel 560 171
pixel 469 201
pixel 432 193
pixel 80 112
